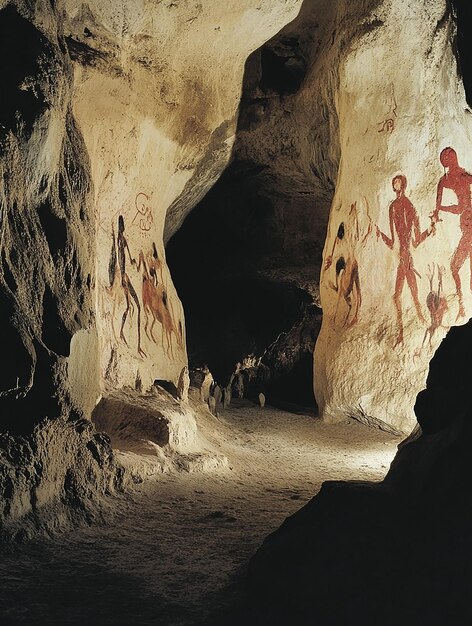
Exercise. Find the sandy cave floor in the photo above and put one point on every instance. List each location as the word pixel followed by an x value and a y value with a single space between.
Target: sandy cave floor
pixel 181 540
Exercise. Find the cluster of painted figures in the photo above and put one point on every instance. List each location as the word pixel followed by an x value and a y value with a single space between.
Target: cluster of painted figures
pixel 404 222
pixel 156 305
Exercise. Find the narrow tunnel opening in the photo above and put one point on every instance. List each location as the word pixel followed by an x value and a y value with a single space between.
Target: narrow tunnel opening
pixel 255 242
pixel 238 309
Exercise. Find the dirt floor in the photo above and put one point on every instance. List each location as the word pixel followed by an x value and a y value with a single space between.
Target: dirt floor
pixel 180 540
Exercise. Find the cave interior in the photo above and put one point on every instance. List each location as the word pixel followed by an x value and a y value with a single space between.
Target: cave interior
pixel 190 270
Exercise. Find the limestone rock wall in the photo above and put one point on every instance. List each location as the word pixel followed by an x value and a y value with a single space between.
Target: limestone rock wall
pixel 396 270
pixel 157 88
pixel 111 112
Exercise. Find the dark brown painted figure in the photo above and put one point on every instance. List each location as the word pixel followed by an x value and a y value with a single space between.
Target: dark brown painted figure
pixel 459 182
pixel 347 283
pixel 405 223
pixel 126 284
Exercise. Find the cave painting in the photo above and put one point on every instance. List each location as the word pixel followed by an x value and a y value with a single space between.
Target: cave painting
pixel 404 221
pixel 459 182
pixel 347 283
pixel 156 304
pixel 127 286
pixel 387 125
pixel 143 213
pixel 435 301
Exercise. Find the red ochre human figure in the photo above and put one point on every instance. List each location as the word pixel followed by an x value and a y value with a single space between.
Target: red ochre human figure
pixel 405 222
pixel 459 182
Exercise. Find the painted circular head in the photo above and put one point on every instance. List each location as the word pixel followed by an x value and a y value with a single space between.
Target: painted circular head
pixel 448 157
pixel 399 182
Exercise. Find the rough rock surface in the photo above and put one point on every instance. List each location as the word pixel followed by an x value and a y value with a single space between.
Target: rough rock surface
pixel 47 229
pixel 55 478
pixel 104 123
pixel 395 272
pixel 159 133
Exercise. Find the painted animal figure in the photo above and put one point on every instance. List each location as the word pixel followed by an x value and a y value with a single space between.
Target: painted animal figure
pixel 436 303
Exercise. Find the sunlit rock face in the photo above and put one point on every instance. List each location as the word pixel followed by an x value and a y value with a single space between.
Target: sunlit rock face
pixel 396 263
pixel 157 88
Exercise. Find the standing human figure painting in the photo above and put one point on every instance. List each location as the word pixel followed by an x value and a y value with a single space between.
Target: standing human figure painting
pixel 459 181
pixel 126 284
pixel 404 221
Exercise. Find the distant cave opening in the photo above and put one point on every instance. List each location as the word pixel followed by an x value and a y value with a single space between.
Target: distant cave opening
pixel 246 260
pixel 225 262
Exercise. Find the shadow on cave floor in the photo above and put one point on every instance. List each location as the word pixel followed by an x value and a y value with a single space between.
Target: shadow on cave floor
pixel 179 542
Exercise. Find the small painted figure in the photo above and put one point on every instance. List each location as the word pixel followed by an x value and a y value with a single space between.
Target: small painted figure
pixel 156 302
pixel 436 303
pixel 346 286
pixel 347 282
pixel 404 221
pixel 126 284
pixel 459 181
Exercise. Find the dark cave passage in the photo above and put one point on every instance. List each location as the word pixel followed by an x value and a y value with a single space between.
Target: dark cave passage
pixel 255 240
pixel 463 9
pixel 236 304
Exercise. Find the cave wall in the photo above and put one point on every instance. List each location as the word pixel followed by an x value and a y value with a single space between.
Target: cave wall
pixel 47 265
pixel 112 116
pixel 156 96
pixel 387 304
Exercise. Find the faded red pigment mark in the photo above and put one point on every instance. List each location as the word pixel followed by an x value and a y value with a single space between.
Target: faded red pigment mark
pixel 459 181
pixel 405 222
pixel 388 124
pixel 143 211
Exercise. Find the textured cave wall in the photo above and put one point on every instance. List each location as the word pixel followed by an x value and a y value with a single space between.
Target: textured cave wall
pixel 47 231
pixel 156 94
pixel 53 467
pixel 386 305
pixel 104 123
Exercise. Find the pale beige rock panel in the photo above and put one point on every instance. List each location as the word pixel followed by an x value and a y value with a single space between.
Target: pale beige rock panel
pixel 387 284
pixel 157 87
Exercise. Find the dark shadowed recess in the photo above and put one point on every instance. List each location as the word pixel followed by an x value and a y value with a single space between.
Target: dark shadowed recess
pixel 237 259
pixel 23 97
pixel 463 9
pixel 220 261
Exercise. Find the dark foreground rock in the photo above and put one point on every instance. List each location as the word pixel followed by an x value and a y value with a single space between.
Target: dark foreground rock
pixel 396 552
